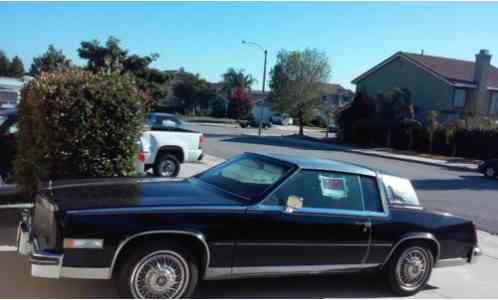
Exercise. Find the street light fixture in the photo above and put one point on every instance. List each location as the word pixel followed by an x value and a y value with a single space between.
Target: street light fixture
pixel 264 79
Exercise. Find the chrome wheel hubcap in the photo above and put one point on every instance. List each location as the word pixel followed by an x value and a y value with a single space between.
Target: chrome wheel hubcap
pixel 490 172
pixel 167 168
pixel 412 268
pixel 159 275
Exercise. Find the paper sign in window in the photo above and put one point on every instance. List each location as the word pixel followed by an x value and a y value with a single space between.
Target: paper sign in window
pixel 332 187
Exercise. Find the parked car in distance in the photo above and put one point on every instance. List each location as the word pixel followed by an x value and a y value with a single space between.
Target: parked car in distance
pixel 489 168
pixel 280 119
pixel 158 121
pixel 253 216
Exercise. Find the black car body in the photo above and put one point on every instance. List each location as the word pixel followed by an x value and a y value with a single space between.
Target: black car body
pixel 229 223
pixel 8 131
pixel 489 168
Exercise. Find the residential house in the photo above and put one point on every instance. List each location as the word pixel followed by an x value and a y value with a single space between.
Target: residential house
pixel 335 96
pixel 10 90
pixel 449 86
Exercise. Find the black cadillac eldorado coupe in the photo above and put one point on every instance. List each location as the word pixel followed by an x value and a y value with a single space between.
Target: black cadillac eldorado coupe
pixel 254 215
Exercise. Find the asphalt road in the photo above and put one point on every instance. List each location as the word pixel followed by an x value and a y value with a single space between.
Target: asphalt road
pixel 464 193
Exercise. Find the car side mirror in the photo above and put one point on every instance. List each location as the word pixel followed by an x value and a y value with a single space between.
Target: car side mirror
pixel 292 203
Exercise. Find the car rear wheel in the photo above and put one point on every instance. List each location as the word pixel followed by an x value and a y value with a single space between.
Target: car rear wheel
pixel 161 271
pixel 166 165
pixel 490 172
pixel 409 268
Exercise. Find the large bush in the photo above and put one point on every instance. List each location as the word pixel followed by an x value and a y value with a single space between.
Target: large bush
pixel 75 124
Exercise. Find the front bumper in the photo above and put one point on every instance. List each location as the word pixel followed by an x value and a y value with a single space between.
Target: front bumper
pixel 43 264
pixel 472 258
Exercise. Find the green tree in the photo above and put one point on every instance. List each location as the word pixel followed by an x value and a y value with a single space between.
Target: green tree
pixel 16 68
pixel 432 126
pixel 4 64
pixel 192 91
pixel 236 79
pixel 51 60
pixel 111 57
pixel 295 82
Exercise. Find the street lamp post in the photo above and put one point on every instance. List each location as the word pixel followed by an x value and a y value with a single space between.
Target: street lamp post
pixel 263 88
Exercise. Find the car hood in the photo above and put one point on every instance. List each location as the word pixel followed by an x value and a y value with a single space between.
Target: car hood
pixel 134 192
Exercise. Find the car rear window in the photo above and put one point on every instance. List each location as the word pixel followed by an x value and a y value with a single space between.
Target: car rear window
pixel 400 190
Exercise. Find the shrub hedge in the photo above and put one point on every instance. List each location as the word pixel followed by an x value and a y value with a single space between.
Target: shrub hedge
pixel 470 143
pixel 75 124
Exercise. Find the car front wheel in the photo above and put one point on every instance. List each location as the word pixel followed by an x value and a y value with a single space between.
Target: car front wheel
pixel 161 271
pixel 409 268
pixel 166 165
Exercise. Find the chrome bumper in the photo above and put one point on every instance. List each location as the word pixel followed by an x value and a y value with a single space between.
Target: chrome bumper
pixel 43 264
pixel 472 258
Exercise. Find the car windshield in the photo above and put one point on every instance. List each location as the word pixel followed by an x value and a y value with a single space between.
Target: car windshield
pixel 247 176
pixel 400 190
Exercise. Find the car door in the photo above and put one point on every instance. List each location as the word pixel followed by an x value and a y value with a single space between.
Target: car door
pixel 330 232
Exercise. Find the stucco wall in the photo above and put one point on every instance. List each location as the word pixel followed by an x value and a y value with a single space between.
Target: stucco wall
pixel 427 91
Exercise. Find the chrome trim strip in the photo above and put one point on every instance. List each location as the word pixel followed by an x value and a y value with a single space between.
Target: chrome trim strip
pixel 290 270
pixel 413 236
pixel 17 206
pixel 218 273
pixel 264 244
pixel 129 210
pixel 85 273
pixel 317 211
pixel 199 236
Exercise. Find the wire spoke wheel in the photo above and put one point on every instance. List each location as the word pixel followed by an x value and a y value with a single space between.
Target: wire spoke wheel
pixel 160 275
pixel 412 268
pixel 490 172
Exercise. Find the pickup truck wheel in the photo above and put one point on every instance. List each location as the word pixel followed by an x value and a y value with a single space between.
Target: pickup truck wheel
pixel 166 165
pixel 161 271
pixel 409 268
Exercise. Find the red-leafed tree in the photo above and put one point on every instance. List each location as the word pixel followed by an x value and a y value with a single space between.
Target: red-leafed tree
pixel 239 105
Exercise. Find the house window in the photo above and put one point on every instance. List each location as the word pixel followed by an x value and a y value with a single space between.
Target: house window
pixel 459 98
pixel 493 107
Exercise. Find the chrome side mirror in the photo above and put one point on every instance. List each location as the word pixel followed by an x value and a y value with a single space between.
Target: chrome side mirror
pixel 292 203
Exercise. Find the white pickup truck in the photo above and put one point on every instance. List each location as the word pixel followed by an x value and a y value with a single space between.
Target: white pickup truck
pixel 164 146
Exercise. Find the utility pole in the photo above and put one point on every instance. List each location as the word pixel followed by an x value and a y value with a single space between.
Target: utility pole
pixel 262 102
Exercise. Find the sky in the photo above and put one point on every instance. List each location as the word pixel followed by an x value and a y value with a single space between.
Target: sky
pixel 205 38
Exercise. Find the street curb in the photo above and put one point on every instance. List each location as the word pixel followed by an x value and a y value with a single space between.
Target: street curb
pixel 389 156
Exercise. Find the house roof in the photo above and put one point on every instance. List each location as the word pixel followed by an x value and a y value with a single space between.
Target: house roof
pixel 454 71
pixel 331 88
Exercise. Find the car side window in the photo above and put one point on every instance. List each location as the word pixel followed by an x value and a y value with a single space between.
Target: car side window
pixel 323 190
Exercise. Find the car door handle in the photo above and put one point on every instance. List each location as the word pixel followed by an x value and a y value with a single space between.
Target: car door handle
pixel 366 225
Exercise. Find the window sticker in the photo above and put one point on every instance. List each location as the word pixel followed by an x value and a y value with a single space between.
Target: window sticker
pixel 333 187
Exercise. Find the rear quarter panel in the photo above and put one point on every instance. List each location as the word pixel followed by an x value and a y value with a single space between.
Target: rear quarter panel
pixel 455 235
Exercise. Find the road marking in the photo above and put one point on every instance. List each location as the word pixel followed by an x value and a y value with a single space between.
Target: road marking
pixel 8 248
